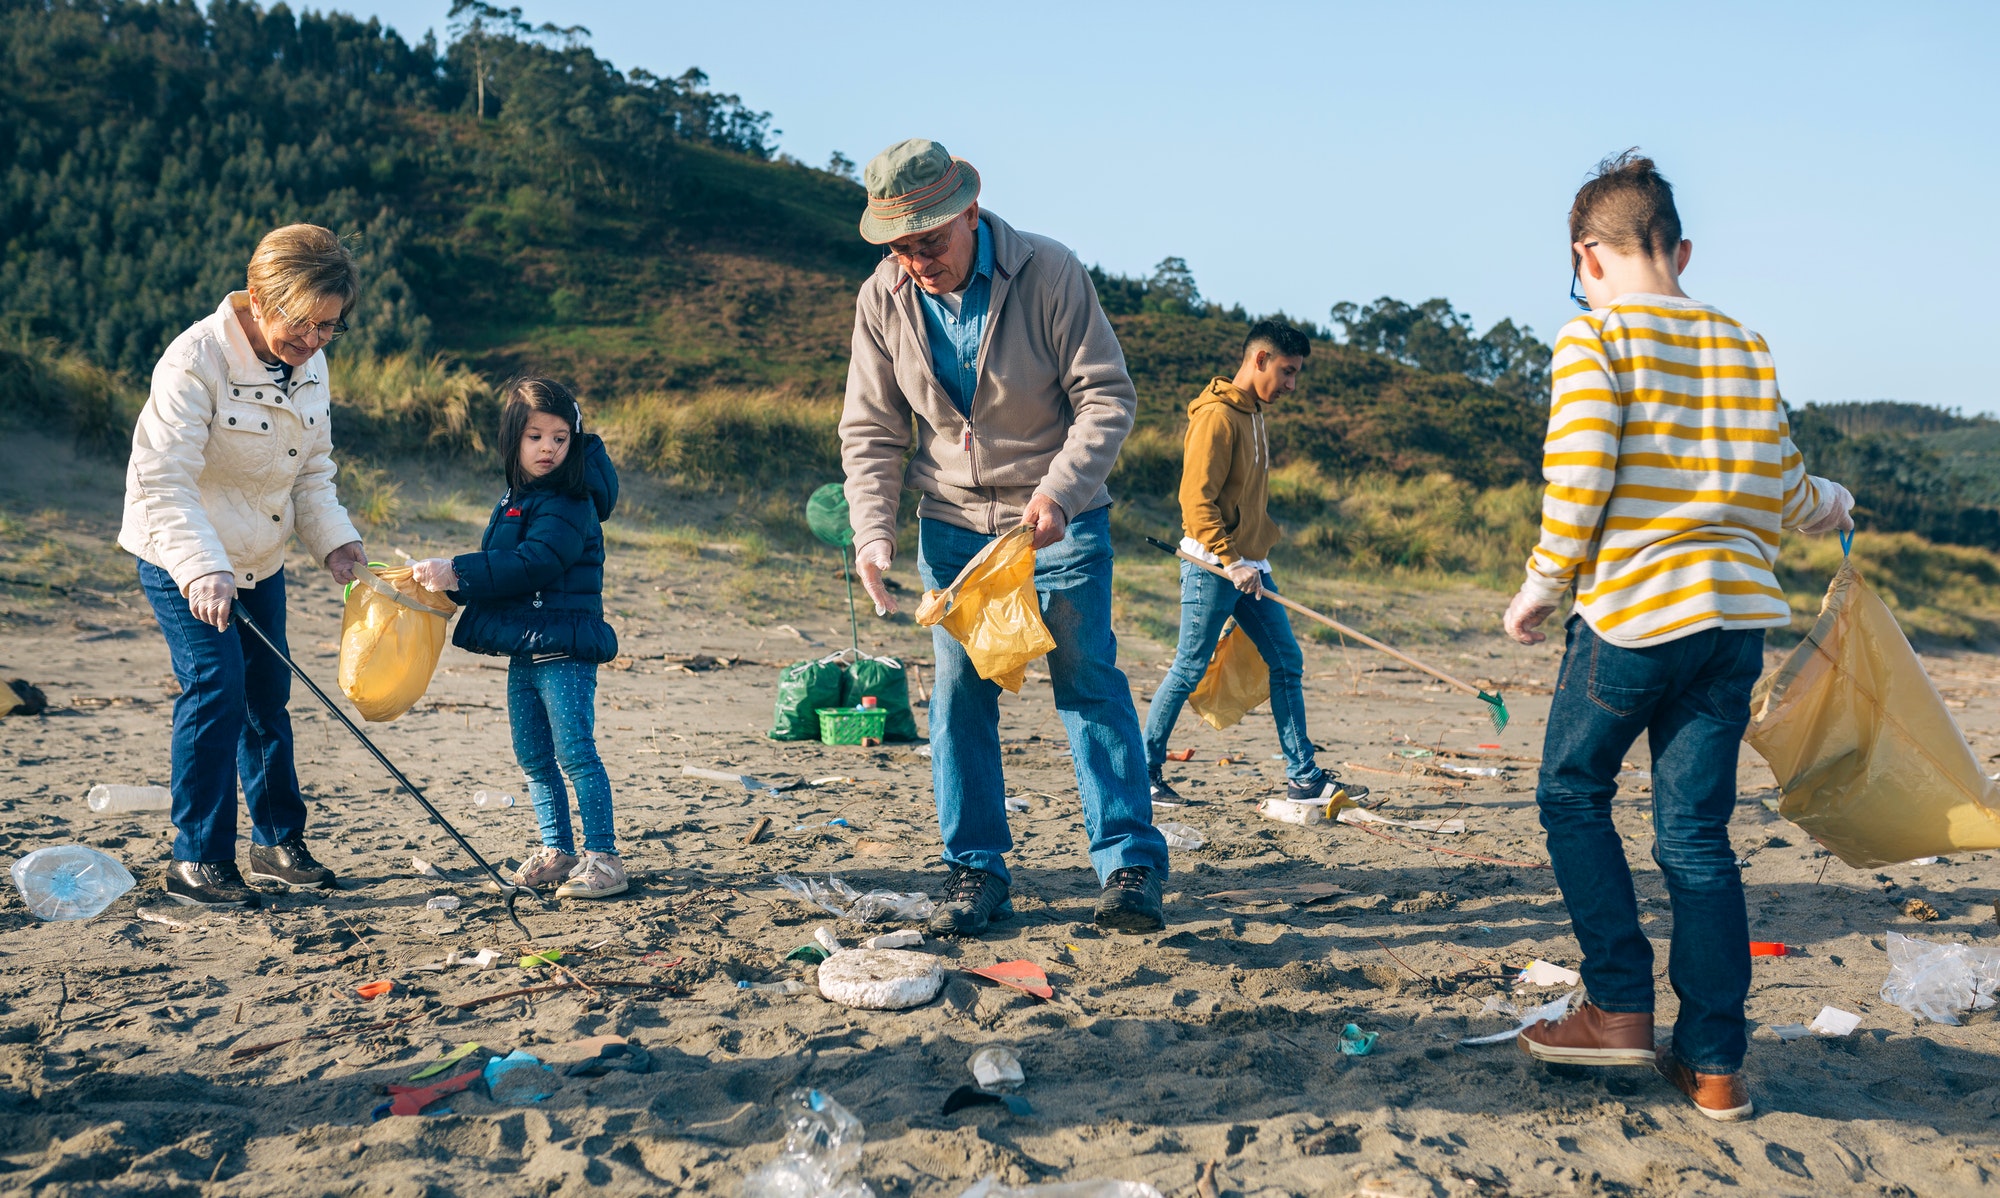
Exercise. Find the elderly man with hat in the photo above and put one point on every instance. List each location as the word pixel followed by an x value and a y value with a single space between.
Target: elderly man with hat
pixel 984 349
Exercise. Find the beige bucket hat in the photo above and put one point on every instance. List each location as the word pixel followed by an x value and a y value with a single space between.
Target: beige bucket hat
pixel 913 186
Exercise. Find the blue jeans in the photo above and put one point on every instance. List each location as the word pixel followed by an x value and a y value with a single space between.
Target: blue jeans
pixel 230 722
pixel 1073 580
pixel 1691 697
pixel 552 709
pixel 1207 602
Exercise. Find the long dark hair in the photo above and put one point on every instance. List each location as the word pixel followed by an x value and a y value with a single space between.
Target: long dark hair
pixel 524 398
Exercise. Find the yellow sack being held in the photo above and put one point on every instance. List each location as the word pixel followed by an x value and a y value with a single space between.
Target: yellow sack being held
pixel 391 633
pixel 1237 682
pixel 1869 759
pixel 991 608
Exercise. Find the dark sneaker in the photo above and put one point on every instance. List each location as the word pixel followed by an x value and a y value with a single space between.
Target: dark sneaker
pixel 1130 901
pixel 209 884
pixel 1589 1035
pixel 1326 790
pixel 971 900
pixel 291 863
pixel 1721 1096
pixel 1162 793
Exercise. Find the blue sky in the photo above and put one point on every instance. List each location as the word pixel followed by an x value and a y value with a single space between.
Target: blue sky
pixel 1836 164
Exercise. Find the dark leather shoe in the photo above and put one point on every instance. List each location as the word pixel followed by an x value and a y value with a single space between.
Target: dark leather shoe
pixel 1589 1035
pixel 1162 793
pixel 972 900
pixel 1130 901
pixel 1327 790
pixel 1721 1096
pixel 291 863
pixel 210 884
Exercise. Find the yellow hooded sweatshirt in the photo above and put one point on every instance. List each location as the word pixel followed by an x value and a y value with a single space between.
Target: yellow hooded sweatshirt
pixel 1225 475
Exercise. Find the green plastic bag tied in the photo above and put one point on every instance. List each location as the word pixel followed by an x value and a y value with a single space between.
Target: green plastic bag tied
pixel 803 688
pixel 884 678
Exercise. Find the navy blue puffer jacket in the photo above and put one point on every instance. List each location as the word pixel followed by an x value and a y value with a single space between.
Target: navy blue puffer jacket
pixel 536 586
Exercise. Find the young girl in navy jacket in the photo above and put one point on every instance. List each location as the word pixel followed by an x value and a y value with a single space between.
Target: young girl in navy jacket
pixel 533 593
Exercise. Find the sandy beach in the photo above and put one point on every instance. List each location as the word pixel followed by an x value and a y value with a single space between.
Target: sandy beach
pixel 199 1053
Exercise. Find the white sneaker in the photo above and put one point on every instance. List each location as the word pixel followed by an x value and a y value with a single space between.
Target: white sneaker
pixel 544 865
pixel 599 875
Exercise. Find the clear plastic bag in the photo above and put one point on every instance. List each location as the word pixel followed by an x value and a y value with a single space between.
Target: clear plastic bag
pixel 821 1152
pixel 876 906
pixel 991 608
pixel 391 633
pixel 1237 682
pixel 1936 981
pixel 1868 757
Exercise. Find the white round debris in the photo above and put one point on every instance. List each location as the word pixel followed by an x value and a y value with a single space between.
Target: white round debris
pixel 880 979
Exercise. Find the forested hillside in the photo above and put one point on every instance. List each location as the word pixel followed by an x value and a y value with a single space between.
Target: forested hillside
pixel 520 203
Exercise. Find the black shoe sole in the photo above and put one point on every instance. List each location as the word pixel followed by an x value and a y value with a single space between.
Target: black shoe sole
pixel 185 900
pixel 937 928
pixel 1124 919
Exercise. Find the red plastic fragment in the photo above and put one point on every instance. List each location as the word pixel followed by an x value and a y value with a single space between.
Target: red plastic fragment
pixel 1768 948
pixel 1025 976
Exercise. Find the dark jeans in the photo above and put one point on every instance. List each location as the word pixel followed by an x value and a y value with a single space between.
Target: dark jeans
pixel 229 722
pixel 1691 697
pixel 1073 581
pixel 1207 603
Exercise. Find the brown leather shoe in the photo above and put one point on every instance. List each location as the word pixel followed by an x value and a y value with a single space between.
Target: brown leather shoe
pixel 1589 1035
pixel 1720 1096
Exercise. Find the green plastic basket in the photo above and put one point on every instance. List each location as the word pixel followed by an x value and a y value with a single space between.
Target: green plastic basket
pixel 848 725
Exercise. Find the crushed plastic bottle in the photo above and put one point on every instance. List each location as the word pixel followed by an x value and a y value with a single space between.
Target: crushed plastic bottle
pixel 69 881
pixel 821 1152
pixel 877 906
pixel 129 798
pixel 491 798
pixel 788 986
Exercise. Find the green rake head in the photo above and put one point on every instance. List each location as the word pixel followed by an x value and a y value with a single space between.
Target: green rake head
pixel 1496 710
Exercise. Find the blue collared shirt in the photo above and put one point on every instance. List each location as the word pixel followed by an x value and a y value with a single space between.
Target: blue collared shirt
pixel 955 339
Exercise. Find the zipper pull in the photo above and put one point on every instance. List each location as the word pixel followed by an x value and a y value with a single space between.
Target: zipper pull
pixel 968 436
pixel 538 598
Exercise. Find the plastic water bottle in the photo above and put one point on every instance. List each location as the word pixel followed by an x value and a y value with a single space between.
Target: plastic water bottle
pixel 69 881
pixel 129 798
pixel 492 798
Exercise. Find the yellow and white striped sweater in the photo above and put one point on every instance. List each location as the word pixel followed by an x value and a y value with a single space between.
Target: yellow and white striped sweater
pixel 1671 471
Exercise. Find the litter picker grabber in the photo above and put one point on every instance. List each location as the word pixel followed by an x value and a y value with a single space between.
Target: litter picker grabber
pixel 1495 705
pixel 511 892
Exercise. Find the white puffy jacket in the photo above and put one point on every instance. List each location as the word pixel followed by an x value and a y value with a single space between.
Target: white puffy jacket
pixel 225 465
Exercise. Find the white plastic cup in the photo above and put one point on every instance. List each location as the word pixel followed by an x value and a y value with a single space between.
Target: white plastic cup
pixel 492 798
pixel 129 798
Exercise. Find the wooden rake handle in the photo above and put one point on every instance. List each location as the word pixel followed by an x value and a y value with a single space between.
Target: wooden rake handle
pixel 1329 621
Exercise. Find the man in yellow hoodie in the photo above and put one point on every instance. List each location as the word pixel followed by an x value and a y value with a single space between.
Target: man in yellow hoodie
pixel 1225 478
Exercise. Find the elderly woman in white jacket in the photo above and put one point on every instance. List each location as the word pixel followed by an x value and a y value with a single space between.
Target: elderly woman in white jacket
pixel 231 456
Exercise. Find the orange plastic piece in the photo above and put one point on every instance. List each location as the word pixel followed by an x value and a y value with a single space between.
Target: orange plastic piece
pixel 1180 754
pixel 373 990
pixel 1025 976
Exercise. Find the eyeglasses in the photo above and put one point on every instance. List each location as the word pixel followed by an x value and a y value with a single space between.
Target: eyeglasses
pixel 326 332
pixel 933 246
pixel 1576 276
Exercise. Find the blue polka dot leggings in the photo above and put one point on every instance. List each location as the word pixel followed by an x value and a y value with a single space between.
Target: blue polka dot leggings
pixel 552 709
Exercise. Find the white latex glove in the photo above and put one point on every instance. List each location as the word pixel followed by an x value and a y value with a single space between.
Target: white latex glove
pixel 871 562
pixel 211 597
pixel 1047 518
pixel 1838 517
pixel 435 574
pixel 1247 579
pixel 1523 614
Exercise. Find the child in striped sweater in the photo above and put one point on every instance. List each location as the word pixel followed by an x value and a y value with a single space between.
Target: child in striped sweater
pixel 1671 472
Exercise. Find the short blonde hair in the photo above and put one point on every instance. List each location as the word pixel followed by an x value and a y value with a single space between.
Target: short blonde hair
pixel 296 267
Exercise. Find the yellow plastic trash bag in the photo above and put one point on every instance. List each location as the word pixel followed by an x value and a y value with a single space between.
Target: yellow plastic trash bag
pixel 991 608
pixel 1870 761
pixel 391 633
pixel 1237 683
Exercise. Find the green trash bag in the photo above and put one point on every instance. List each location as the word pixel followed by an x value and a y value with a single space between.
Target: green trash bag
pixel 803 688
pixel 884 678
